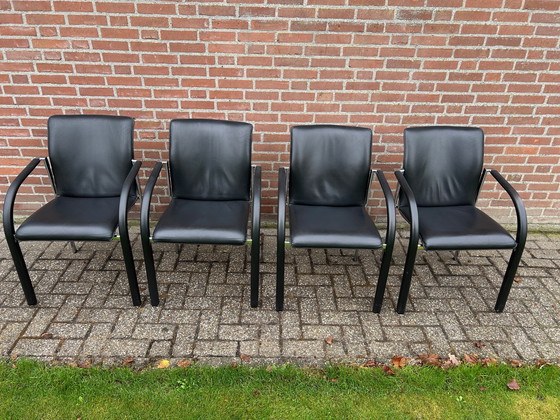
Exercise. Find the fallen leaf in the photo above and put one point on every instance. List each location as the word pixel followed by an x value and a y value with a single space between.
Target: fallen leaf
pixel 472 359
pixel 430 359
pixel 517 280
pixel 513 385
pixel 482 388
pixel 269 368
pixel 163 364
pixel 14 356
pixel 387 370
pixel 399 361
pixel 128 361
pixel 329 340
pixel 233 364
pixel 256 393
pixel 84 365
pixel 184 363
pixel 541 362
pixel 479 344
pixel 455 361
pixel 334 380
pixel 46 335
pixel 515 363
pixel 73 364
pixel 370 363
pixel 489 361
pixel 246 358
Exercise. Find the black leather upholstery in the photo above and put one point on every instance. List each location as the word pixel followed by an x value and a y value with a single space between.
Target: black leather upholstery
pixel 459 227
pixel 329 165
pixel 210 159
pixel 443 164
pixel 90 154
pixel 203 222
pixel 332 227
pixel 73 218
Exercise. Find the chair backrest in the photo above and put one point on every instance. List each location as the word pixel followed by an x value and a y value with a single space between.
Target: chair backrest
pixel 443 164
pixel 210 159
pixel 329 165
pixel 90 155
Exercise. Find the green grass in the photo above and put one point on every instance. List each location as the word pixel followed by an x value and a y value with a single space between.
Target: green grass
pixel 31 390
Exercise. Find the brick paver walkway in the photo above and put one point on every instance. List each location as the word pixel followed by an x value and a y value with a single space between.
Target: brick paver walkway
pixel 85 311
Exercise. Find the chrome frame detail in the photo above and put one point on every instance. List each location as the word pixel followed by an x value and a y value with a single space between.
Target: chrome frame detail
pixel 169 183
pixel 485 171
pixel 48 167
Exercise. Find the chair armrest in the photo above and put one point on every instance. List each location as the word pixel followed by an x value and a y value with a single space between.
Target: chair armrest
pixel 125 193
pixel 147 199
pixel 282 193
pixel 407 191
pixel 519 207
pixel 256 203
pixel 391 212
pixel 9 200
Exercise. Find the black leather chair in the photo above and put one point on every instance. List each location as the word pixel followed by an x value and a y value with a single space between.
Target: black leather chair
pixel 93 174
pixel 439 186
pixel 329 179
pixel 212 194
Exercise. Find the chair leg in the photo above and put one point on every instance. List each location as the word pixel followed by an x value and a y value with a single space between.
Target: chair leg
pixel 150 271
pixel 255 270
pixel 382 280
pixel 21 269
pixel 130 269
pixel 280 254
pixel 407 275
pixel 514 261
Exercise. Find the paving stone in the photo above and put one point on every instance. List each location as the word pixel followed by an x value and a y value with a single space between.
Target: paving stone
pixel 85 310
pixel 160 349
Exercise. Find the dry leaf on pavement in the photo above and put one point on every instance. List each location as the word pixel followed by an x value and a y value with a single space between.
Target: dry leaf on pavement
pixel 163 364
pixel 184 363
pixel 515 363
pixel 399 361
pixel 128 361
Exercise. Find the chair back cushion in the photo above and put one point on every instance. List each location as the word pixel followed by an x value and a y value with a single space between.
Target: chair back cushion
pixel 210 159
pixel 91 155
pixel 329 165
pixel 443 164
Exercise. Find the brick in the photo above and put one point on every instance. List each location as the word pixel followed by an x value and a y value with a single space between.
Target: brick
pixel 378 62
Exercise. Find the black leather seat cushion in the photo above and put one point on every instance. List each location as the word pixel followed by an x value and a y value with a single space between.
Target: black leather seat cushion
pixel 203 222
pixel 73 218
pixel 460 227
pixel 332 227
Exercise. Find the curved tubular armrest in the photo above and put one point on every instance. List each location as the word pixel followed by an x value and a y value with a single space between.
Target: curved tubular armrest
pixel 147 199
pixel 391 212
pixel 256 203
pixel 125 193
pixel 519 208
pixel 407 191
pixel 9 200
pixel 282 192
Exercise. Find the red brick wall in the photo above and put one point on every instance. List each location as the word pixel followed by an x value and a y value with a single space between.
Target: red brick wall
pixel 383 64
